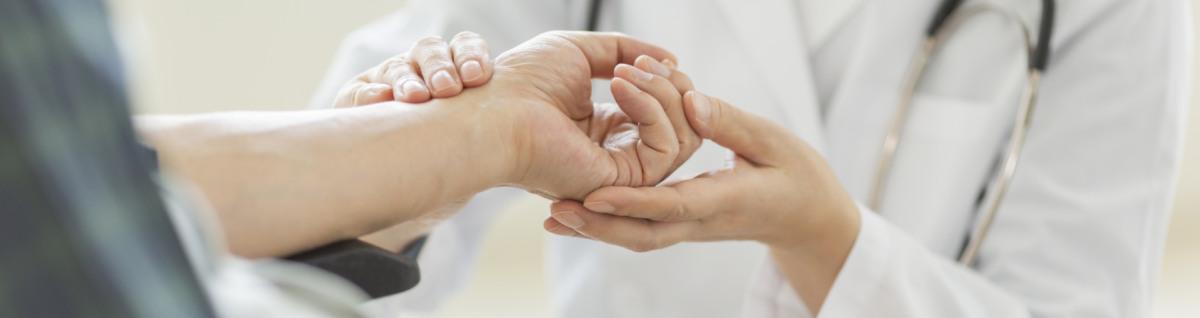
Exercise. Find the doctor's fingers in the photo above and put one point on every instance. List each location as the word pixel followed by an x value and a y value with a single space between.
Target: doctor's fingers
pixel 638 235
pixel 666 69
pixel 694 199
pixel 403 76
pixel 667 86
pixel 605 50
pixel 658 147
pixel 672 103
pixel 472 58
pixel 434 62
pixel 757 139
pixel 360 92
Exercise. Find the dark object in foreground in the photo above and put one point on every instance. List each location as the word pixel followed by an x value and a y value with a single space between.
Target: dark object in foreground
pixel 376 271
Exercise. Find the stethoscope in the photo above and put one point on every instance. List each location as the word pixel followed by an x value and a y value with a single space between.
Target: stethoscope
pixel 949 16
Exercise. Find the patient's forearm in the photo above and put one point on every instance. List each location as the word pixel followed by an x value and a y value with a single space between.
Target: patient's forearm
pixel 282 182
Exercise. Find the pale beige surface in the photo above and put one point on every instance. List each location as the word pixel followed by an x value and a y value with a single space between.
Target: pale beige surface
pixel 215 55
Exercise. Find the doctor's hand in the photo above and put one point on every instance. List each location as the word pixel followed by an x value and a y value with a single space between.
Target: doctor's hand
pixel 430 69
pixel 776 190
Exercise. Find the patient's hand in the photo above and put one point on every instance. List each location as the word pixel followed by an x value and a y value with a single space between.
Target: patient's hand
pixel 636 142
pixel 648 93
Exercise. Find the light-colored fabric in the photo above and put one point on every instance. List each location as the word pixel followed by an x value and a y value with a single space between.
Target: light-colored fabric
pixel 1079 233
pixel 244 288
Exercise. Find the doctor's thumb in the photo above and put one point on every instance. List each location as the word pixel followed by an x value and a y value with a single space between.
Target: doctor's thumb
pixel 749 135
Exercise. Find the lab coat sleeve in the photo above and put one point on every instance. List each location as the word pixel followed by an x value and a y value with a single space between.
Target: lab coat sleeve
pixel 1081 231
pixel 448 258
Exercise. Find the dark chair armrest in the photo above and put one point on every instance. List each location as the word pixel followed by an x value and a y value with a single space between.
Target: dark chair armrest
pixel 376 271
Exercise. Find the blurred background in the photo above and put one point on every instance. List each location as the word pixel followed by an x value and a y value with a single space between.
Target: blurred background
pixel 214 55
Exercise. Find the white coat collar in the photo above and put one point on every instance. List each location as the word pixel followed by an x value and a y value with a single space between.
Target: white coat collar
pixel 771 33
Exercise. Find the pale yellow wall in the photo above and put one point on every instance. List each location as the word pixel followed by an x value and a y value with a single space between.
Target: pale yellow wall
pixel 213 55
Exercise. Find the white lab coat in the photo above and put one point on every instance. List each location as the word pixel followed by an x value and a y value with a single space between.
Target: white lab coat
pixel 1079 234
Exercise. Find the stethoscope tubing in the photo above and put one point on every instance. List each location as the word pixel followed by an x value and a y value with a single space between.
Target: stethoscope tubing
pixel 948 17
pixel 947 20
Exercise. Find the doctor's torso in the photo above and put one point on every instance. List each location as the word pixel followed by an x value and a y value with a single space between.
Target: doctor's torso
pixel 829 71
pixel 834 80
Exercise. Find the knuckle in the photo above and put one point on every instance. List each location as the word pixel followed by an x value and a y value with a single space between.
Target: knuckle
pixel 434 63
pixel 347 97
pixel 687 140
pixel 396 66
pixel 555 33
pixel 466 36
pixel 429 41
pixel 679 212
pixel 407 77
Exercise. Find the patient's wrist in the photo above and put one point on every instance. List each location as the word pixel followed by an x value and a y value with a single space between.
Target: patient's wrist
pixel 495 129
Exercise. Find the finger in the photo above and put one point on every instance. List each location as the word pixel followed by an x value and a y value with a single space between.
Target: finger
pixel 360 93
pixel 436 65
pixel 472 59
pixel 404 77
pixel 605 50
pixel 638 235
pixel 658 142
pixel 760 140
pixel 687 200
pixel 668 94
pixel 557 228
pixel 666 69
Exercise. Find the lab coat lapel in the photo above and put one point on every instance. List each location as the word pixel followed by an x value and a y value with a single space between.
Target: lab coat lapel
pixel 771 34
pixel 822 18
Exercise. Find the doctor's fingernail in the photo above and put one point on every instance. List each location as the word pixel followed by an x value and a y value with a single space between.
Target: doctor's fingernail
pixel 410 87
pixel 568 218
pixel 659 69
pixel 700 103
pixel 471 70
pixel 442 81
pixel 639 75
pixel 669 63
pixel 600 206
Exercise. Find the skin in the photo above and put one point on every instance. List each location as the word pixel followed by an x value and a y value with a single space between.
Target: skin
pixel 284 182
pixel 658 79
pixel 776 190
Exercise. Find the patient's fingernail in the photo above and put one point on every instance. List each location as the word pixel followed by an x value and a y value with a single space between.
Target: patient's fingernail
pixel 600 206
pixel 442 81
pixel 568 218
pixel 471 70
pixel 700 103
pixel 637 74
pixel 410 87
pixel 658 68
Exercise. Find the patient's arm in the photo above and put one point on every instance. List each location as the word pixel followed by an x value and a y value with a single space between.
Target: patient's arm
pixel 283 182
pixel 286 181
pixel 401 78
